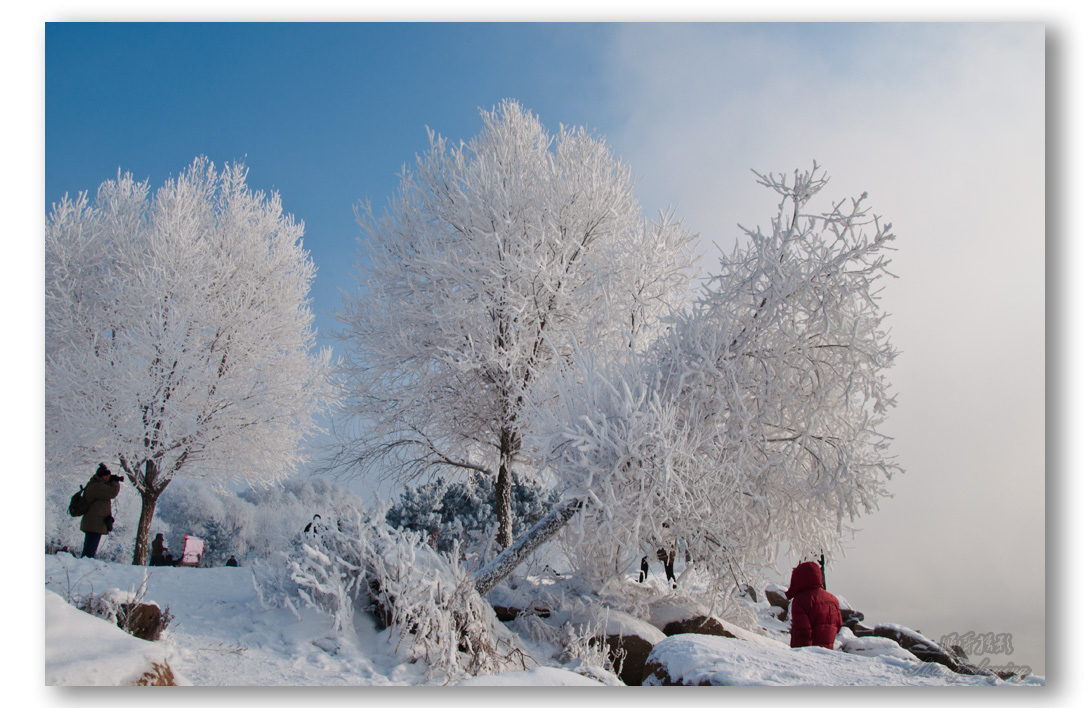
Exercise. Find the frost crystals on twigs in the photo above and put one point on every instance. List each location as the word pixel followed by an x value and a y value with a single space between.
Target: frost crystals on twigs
pixel 753 422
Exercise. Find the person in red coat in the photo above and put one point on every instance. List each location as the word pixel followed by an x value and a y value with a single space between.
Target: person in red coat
pixel 815 612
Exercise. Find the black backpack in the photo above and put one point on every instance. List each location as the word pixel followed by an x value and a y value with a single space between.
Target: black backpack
pixel 78 505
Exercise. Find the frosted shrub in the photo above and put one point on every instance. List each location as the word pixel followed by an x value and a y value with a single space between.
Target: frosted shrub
pixel 585 645
pixel 424 597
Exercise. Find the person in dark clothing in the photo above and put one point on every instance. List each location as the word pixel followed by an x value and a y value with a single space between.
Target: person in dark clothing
pixel 158 550
pixel 669 560
pixel 666 557
pixel 314 526
pixel 98 520
pixel 232 563
pixel 816 617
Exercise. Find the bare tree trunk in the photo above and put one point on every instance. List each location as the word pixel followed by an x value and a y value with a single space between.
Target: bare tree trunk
pixel 150 489
pixel 503 487
pixel 143 529
pixel 504 563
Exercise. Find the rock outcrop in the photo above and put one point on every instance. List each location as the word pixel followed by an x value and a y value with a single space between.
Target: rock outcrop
pixel 628 654
pixel 629 641
pixel 775 595
pixel 142 620
pixel 925 649
pixel 851 618
pixel 698 625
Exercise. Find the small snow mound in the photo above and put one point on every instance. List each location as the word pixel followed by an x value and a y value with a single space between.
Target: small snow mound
pixel 118 659
pixel 117 596
pixel 669 609
pixel 541 676
pixel 872 646
pixel 616 623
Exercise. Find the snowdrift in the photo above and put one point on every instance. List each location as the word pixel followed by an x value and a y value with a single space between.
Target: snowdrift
pixel 84 650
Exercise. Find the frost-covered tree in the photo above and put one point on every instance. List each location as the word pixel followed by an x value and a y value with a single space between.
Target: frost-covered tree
pixel 284 509
pixel 495 260
pixel 753 423
pixel 179 339
pixel 255 524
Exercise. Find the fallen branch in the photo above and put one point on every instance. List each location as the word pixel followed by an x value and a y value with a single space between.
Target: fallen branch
pixel 504 563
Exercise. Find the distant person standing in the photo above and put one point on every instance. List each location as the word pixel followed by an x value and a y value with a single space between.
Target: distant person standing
pixel 232 563
pixel 816 617
pixel 98 520
pixel 158 550
pixel 669 559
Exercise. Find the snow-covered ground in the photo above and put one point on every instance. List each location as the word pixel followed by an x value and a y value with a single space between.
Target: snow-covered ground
pixel 730 662
pixel 222 635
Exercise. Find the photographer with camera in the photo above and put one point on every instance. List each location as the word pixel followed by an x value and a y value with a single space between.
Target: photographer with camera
pixel 98 520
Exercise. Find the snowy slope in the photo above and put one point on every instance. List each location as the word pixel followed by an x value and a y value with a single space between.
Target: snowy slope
pixel 222 635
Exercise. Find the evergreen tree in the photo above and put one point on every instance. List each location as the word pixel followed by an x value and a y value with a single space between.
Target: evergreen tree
pixel 465 510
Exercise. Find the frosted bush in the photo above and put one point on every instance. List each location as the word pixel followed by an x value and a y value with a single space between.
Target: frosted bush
pixel 425 598
pixel 584 645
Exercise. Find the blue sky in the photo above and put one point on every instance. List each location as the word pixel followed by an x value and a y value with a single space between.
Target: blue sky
pixel 324 114
pixel 944 125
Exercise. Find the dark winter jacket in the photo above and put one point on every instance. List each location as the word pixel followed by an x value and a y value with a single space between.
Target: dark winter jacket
pixel 816 617
pixel 158 547
pixel 98 492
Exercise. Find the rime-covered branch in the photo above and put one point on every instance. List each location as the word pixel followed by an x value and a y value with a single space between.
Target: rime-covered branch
pixel 505 562
pixel 754 420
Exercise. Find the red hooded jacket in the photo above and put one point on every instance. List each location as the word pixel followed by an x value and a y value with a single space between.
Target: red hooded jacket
pixel 816 617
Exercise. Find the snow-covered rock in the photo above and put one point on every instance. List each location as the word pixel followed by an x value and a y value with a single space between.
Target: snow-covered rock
pixel 616 623
pixel 629 640
pixel 872 646
pixel 700 624
pixel 669 609
pixel 851 617
pixel 700 660
pixel 84 650
pixel 775 595
pixel 924 648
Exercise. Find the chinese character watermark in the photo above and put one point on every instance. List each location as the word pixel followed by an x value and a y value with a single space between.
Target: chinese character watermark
pixel 983 645
pixel 978 643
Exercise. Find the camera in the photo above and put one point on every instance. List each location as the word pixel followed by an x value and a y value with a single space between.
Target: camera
pixel 116 478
